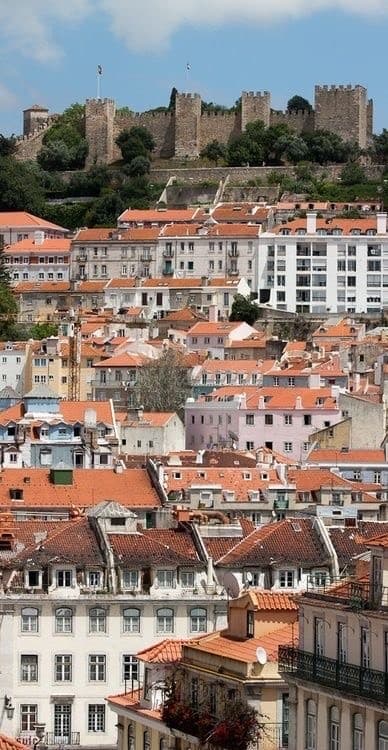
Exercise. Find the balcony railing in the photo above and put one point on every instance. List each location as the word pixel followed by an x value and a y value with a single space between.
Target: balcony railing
pixel 354 594
pixel 333 674
pixel 168 253
pixel 280 503
pixel 72 738
pixel 233 271
pixel 168 271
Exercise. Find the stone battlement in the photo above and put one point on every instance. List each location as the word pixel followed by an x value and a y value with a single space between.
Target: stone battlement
pixel 186 130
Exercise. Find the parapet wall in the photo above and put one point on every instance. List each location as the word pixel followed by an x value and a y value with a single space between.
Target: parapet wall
pixel 343 110
pixel 302 121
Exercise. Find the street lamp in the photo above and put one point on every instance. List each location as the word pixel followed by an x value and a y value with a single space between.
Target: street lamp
pixel 9 707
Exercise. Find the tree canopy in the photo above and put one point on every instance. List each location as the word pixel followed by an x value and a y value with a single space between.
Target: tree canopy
pixel 244 309
pixel 163 384
pixel 136 141
pixel 214 151
pixel 64 143
pixel 297 103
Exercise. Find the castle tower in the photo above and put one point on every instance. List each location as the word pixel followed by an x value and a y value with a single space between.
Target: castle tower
pixel 187 124
pixel 99 121
pixel 33 118
pixel 255 106
pixel 344 110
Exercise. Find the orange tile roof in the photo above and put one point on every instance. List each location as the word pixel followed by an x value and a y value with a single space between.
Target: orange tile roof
pixel 240 212
pixel 148 419
pixel 378 541
pixel 41 287
pixel 215 230
pixel 269 600
pixel 167 651
pixel 155 546
pixel 121 283
pixel 277 398
pixel 346 225
pixel 132 488
pixel 126 359
pixel 15 219
pixel 342 329
pixel 91 286
pixel 235 479
pixel 104 234
pixel 155 215
pixel 205 328
pixel 352 456
pixel 220 644
pixel 237 365
pixel 59 245
pixel 132 701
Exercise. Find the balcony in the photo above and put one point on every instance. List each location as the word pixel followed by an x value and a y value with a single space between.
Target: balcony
pixel 280 503
pixel 234 253
pixel 146 257
pixel 167 271
pixel 331 673
pixel 68 740
pixel 356 595
pixel 82 258
pixel 233 271
pixel 168 253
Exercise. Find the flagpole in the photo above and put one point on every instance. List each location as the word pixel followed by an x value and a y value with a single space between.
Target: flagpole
pixel 187 76
pixel 98 85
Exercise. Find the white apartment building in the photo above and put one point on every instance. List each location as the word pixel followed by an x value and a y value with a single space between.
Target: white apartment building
pixel 79 599
pixel 311 265
pixel 112 254
pixel 38 259
pixel 15 362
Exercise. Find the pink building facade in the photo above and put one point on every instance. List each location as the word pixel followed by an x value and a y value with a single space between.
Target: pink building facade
pixel 248 418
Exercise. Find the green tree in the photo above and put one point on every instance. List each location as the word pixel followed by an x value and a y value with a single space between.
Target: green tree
pixel 244 309
pixel 248 148
pixel 139 166
pixel 55 156
pixel 105 210
pixel 135 142
pixel 297 329
pixel 64 143
pixel 353 174
pixel 297 103
pixel 380 145
pixel 163 384
pixel 20 189
pixel 214 151
pixel 7 145
pixel 326 147
pixel 292 148
pixel 43 330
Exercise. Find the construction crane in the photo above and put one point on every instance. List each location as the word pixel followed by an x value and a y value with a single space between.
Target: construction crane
pixel 74 334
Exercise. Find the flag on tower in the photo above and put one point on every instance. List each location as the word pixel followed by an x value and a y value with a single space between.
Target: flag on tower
pixel 188 66
pixel 99 70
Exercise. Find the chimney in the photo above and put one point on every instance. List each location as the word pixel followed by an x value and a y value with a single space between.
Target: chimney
pixel 261 403
pixel 311 225
pixel 213 314
pixel 298 403
pixel 381 221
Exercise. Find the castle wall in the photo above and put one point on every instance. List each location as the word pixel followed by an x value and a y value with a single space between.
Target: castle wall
pixel 187 125
pixel 301 121
pixel 160 124
pixel 219 126
pixel 342 110
pixel 28 146
pixel 369 122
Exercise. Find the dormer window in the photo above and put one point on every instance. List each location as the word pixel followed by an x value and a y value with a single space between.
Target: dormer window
pixel 165 579
pixel 16 494
pixel 130 579
pixel 117 521
pixel 95 579
pixel 44 431
pixel 33 579
pixel 64 578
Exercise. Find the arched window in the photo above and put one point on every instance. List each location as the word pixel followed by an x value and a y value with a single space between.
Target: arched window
pixel 163 744
pixel 30 620
pixel 165 620
pixel 198 620
pixel 97 620
pixel 131 737
pixel 383 735
pixel 358 732
pixel 63 620
pixel 146 740
pixel 311 725
pixel 334 729
pixel 131 620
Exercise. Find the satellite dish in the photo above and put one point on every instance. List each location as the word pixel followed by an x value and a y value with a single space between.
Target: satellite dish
pixel 261 655
pixel 249 577
pixel 231 585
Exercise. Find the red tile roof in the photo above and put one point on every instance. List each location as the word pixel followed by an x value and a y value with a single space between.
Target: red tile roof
pixel 161 216
pixel 132 701
pixel 271 601
pixel 41 287
pixel 15 219
pixel 152 546
pixel 220 644
pixel 126 359
pixel 59 245
pixel 168 651
pixel 10 743
pixel 352 456
pixel 351 541
pixel 276 398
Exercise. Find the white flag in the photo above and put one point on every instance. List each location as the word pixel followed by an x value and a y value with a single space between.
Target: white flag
pixel 99 70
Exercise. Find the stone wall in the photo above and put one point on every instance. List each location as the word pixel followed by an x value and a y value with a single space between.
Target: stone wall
pixel 343 110
pixel 187 125
pixel 255 106
pixel 301 121
pixel 219 126
pixel 99 119
pixel 161 125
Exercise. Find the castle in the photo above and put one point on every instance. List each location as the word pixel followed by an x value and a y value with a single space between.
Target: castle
pixel 185 130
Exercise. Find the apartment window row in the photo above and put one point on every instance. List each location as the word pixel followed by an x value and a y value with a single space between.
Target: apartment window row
pixel 64 668
pixel 334 729
pixel 131 616
pixel 62 719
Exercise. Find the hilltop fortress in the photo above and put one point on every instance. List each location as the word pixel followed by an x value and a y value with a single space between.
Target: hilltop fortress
pixel 186 130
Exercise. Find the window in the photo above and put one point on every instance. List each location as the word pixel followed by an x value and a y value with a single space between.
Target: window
pixel 358 732
pixel 29 668
pixel 28 717
pixel 97 667
pixel 288 419
pixel 187 579
pixel 250 623
pixel 33 578
pixel 96 717
pixel 131 620
pixel 288 447
pixel 365 649
pixel 130 667
pixel 250 419
pixel 64 578
pixel 146 740
pixel 377 477
pixel 334 729
pixel 319 636
pixel 198 620
pixel 130 579
pixel 383 735
pixel 285 719
pixel 131 737
pixel 286 579
pixel 165 579
pixel 63 668
pixel 63 620
pixel 311 726
pixel 341 642
pixel 249 445
pixel 30 620
pixel 268 419
pixel 94 576
pixel 194 692
pixel 97 620
pixel 307 419
pixel 165 620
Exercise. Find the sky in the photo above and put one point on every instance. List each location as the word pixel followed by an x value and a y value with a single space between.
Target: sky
pixel 50 49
